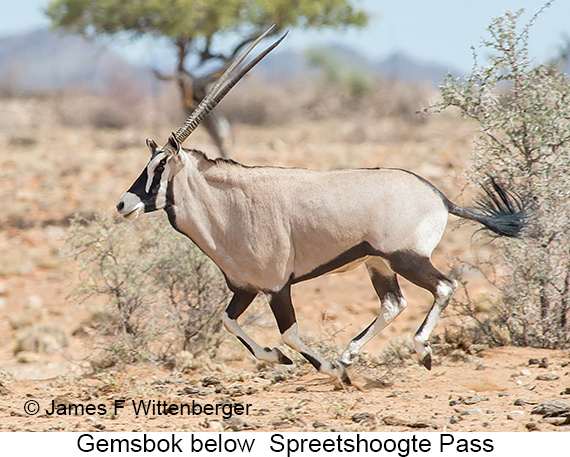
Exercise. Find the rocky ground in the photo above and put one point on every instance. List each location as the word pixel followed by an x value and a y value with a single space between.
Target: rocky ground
pixel 49 171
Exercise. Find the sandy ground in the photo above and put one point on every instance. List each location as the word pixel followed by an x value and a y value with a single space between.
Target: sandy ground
pixel 83 169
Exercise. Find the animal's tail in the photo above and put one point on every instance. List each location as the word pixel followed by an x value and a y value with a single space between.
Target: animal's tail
pixel 501 211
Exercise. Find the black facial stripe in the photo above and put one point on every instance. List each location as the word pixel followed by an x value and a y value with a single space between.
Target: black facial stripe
pixel 139 189
pixel 155 183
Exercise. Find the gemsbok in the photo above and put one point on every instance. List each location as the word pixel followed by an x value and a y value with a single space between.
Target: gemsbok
pixel 268 228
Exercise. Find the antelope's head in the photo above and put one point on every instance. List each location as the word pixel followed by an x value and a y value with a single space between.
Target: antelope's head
pixel 149 191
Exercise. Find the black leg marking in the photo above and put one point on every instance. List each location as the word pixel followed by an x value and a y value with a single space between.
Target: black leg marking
pixel 282 308
pixel 249 348
pixel 392 303
pixel 282 357
pixel 426 361
pixel 420 271
pixel 312 361
pixel 365 331
pixel 417 269
pixel 284 312
pixel 239 303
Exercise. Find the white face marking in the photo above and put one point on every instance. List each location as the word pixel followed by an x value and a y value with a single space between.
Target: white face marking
pixel 151 167
pixel 134 214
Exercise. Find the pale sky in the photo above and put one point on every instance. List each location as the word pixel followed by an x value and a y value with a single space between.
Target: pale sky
pixel 441 31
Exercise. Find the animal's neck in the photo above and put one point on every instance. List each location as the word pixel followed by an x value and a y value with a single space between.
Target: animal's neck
pixel 198 208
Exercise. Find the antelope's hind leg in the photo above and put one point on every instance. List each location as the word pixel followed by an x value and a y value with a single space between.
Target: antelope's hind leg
pixel 284 313
pixel 420 271
pixel 238 304
pixel 392 303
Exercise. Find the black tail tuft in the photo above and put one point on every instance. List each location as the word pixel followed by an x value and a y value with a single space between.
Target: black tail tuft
pixel 503 212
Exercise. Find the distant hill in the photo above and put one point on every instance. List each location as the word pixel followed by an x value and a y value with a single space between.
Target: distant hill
pixel 282 66
pixel 401 67
pixel 45 60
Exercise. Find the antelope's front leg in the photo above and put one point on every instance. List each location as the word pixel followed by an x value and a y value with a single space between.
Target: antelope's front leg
pixel 238 304
pixel 284 312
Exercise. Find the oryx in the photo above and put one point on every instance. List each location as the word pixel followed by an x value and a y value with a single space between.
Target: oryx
pixel 268 228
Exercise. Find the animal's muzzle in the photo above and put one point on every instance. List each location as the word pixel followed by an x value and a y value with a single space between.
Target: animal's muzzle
pixel 130 206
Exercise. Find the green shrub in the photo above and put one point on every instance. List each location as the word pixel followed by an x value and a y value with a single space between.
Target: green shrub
pixel 523 112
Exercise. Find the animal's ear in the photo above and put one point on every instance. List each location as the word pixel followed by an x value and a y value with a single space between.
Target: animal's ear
pixel 151 145
pixel 174 142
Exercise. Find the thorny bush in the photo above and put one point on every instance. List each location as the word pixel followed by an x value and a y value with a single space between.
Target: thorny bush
pixel 523 113
pixel 164 294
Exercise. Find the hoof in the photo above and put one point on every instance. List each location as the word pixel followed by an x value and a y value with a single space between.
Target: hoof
pixel 282 357
pixel 426 362
pixel 344 376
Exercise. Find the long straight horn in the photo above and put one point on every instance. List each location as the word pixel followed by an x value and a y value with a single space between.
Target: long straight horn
pixel 218 91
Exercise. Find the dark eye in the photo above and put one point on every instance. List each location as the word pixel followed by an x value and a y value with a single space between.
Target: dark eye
pixel 160 168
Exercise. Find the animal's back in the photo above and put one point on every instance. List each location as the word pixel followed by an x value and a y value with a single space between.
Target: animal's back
pixel 330 212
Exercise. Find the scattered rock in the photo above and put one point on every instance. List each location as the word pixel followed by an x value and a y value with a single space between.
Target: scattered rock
pixel 287 422
pixel 301 389
pixel 565 391
pixel 454 419
pixel 393 421
pixel 555 420
pixel 394 394
pixel 531 427
pixel 319 424
pixel 422 424
pixel 280 377
pixel 547 377
pixel 468 400
pixel 210 381
pixel 215 426
pixel 236 390
pixel 543 363
pixel 236 424
pixel 99 426
pixel 195 391
pixel 533 362
pixel 473 399
pixel 552 408
pixel 521 402
pixel 364 418
pixel 512 415
pixel 471 412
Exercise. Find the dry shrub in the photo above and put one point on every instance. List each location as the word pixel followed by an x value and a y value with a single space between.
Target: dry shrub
pixel 42 338
pixel 523 140
pixel 260 103
pixel 108 111
pixel 164 295
pixel 35 333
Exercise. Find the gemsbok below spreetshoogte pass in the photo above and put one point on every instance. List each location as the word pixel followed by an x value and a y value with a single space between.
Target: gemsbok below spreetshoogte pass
pixel 268 228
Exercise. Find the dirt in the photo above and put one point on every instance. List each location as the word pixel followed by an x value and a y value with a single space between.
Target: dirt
pixel 58 170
